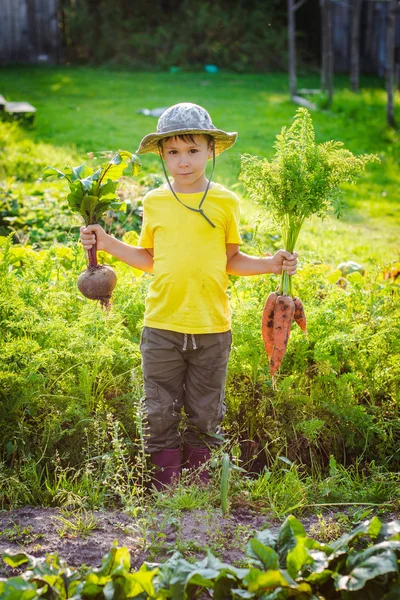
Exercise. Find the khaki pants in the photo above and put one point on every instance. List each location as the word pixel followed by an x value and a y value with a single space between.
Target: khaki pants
pixel 183 371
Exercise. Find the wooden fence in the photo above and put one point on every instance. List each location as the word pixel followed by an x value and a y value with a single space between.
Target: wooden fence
pixel 29 31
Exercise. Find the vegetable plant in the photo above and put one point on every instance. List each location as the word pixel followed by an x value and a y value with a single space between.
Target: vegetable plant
pixel 91 194
pixel 286 564
pixel 302 180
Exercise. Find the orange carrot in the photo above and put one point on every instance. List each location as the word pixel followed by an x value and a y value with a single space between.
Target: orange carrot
pixel 267 323
pixel 299 315
pixel 283 317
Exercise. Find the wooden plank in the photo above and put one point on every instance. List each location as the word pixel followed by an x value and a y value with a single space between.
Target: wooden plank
pixel 304 92
pixel 303 102
pixel 19 107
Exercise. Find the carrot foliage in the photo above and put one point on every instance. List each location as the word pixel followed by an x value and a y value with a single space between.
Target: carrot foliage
pixel 302 179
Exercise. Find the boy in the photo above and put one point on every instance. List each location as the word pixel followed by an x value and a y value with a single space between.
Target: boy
pixel 190 241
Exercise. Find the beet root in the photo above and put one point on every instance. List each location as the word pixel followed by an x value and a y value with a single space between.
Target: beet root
pixel 97 283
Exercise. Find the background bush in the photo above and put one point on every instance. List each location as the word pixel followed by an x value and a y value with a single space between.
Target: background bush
pixel 240 36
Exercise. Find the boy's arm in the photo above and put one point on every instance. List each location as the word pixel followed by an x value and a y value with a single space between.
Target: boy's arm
pixel 140 258
pixel 239 263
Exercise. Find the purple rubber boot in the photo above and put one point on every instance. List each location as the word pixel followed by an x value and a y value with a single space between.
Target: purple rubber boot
pixel 168 463
pixel 193 458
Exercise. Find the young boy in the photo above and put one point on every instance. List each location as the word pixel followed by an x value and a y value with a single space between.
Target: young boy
pixel 190 242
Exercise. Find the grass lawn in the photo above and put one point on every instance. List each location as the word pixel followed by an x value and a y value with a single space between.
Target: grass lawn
pixel 90 109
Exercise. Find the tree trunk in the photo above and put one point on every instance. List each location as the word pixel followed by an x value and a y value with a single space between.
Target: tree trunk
pixel 327 50
pixel 324 52
pixel 355 45
pixel 292 49
pixel 390 62
pixel 330 52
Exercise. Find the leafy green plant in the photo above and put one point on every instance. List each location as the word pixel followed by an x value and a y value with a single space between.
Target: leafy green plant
pixel 78 523
pixel 20 535
pixel 91 194
pixel 224 485
pixel 302 179
pixel 287 564
pixel 281 489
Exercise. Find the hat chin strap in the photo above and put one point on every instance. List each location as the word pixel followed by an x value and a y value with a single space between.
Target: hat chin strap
pixel 199 210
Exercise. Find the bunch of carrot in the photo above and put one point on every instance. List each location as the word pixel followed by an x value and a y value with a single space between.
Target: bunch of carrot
pixel 302 179
pixel 277 318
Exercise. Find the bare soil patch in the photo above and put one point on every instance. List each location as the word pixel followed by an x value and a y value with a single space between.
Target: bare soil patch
pixel 40 531
pixel 83 538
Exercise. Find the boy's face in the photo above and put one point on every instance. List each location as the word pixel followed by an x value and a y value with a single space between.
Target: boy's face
pixel 186 161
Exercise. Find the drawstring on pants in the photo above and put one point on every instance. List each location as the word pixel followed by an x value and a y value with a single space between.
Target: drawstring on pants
pixel 185 342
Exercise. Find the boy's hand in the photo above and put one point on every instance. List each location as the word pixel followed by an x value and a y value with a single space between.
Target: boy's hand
pixel 90 234
pixel 284 261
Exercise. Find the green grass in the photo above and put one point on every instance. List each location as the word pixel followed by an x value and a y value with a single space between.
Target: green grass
pixel 87 109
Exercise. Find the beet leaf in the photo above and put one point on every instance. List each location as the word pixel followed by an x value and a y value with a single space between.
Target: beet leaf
pixel 92 193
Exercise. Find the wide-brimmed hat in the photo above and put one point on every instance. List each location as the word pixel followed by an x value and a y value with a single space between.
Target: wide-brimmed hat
pixel 186 118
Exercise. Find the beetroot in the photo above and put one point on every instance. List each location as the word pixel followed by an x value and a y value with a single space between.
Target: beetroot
pixel 91 194
pixel 97 283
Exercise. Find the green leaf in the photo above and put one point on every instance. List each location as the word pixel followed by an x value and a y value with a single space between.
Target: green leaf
pixel 389 530
pixel 121 164
pixel 256 550
pixel 143 579
pixel 333 276
pixel 89 590
pixel 114 561
pixel 356 278
pixel 101 208
pixel 118 206
pixel 75 200
pixel 131 585
pixel 108 188
pixel 16 588
pixel 134 167
pixel 15 560
pixel 318 571
pixel 237 593
pixel 258 580
pixel 371 563
pixel 319 578
pixel 52 171
pixel 83 182
pixel 88 184
pixel 81 172
pixel 267 537
pixel 371 527
pixel 357 557
pixel 297 557
pixel 302 178
pixel 289 533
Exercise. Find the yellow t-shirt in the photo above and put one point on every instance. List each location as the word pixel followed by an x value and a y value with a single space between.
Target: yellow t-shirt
pixel 188 292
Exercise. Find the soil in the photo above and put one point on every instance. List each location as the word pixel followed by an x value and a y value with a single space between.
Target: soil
pixel 83 538
pixel 40 531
